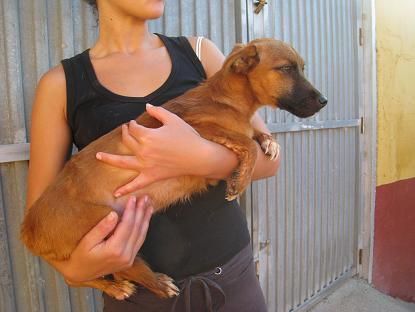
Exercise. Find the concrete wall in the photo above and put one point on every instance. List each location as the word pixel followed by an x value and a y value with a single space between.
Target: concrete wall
pixel 394 249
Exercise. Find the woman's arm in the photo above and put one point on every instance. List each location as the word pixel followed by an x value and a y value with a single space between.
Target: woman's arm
pixel 51 140
pixel 175 149
pixel 50 147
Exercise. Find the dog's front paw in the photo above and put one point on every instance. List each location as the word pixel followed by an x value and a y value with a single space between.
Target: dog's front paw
pixel 120 289
pixel 270 148
pixel 232 186
pixel 231 191
pixel 166 287
pixel 230 197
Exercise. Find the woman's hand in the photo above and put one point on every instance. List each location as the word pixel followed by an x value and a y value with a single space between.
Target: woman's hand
pixel 97 254
pixel 174 149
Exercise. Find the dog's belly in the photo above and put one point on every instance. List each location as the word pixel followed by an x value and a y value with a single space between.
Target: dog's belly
pixel 166 192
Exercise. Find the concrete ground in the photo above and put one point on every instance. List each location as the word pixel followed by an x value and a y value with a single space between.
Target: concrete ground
pixel 357 296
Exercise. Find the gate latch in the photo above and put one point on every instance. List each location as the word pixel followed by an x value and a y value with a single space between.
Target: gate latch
pixel 259 5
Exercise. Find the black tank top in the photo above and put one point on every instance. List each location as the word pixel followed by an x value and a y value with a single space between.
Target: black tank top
pixel 188 238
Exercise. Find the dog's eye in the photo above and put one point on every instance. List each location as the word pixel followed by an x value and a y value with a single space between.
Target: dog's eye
pixel 285 68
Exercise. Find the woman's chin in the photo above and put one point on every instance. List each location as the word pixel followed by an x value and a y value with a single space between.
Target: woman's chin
pixel 144 10
pixel 155 9
pixel 154 16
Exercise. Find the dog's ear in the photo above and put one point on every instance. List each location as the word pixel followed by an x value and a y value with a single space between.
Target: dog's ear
pixel 245 58
pixel 237 47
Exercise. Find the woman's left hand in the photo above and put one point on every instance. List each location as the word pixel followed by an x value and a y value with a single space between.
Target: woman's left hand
pixel 174 149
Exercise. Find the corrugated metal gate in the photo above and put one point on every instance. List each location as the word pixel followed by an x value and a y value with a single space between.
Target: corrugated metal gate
pixel 303 221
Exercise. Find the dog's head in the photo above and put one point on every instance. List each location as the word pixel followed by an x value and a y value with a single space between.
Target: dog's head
pixel 275 72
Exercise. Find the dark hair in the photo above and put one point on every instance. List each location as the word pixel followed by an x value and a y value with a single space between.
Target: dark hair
pixel 92 3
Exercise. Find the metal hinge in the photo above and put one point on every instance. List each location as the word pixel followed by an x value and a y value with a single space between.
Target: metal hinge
pixel 362 125
pixel 264 244
pixel 360 36
pixel 360 256
pixel 257 268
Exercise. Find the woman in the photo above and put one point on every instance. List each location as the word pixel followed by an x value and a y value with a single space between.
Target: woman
pixel 203 244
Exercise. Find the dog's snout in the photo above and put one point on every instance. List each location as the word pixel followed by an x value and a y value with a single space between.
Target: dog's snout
pixel 322 100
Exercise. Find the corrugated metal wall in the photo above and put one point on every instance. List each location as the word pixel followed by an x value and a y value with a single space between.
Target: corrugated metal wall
pixel 305 232
pixel 306 214
pixel 34 36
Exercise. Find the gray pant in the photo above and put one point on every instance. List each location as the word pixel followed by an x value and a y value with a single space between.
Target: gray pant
pixel 232 287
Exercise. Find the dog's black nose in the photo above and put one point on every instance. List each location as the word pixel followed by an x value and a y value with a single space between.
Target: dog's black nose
pixel 323 100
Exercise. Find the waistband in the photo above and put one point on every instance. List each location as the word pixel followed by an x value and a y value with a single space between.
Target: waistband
pixel 212 281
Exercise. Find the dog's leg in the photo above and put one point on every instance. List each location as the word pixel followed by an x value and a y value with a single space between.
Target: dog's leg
pixel 119 289
pixel 268 144
pixel 160 284
pixel 246 151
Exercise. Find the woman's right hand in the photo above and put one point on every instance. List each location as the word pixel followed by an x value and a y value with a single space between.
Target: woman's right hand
pixel 99 254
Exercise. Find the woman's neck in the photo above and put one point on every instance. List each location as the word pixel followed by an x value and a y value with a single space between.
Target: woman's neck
pixel 122 34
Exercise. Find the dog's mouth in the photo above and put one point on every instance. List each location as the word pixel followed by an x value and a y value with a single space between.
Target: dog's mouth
pixel 302 108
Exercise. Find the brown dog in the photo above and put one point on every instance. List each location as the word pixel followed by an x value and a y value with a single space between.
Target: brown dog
pixel 263 72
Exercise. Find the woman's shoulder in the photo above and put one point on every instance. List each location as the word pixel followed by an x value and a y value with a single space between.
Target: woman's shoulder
pixel 206 44
pixel 51 89
pixel 53 81
pixel 55 76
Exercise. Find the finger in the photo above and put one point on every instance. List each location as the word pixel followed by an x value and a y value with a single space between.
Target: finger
pixel 141 207
pixel 130 141
pixel 141 181
pixel 160 113
pixel 124 228
pixel 143 228
pixel 137 131
pixel 98 233
pixel 165 116
pixel 120 161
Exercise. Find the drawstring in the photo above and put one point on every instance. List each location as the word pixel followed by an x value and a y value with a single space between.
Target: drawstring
pixel 208 285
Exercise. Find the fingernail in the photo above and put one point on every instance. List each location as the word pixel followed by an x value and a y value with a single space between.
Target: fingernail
pixel 149 105
pixel 117 195
pixel 146 199
pixel 133 199
pixel 98 156
pixel 111 216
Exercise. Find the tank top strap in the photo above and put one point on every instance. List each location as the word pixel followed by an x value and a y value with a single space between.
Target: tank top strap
pixel 198 49
pixel 73 70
